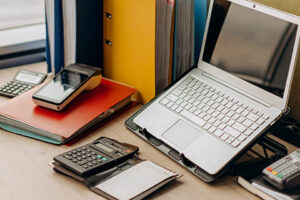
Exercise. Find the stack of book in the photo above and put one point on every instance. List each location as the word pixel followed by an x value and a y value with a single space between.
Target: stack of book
pixel 21 116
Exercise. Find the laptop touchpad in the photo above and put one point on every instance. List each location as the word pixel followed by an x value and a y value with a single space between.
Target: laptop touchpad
pixel 182 134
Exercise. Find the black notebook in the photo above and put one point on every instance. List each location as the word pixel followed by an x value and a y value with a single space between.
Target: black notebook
pixel 263 189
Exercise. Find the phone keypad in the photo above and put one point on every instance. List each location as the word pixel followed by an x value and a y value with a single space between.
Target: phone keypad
pixel 86 157
pixel 14 88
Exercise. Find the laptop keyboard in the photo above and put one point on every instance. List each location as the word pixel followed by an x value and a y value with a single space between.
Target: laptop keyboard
pixel 231 120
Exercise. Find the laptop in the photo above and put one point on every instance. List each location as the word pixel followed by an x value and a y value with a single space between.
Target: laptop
pixel 239 89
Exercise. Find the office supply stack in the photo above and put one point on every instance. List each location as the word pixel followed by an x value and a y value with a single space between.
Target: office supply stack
pixel 140 43
pixel 21 116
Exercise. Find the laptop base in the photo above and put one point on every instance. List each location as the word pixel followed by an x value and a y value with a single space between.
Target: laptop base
pixel 234 168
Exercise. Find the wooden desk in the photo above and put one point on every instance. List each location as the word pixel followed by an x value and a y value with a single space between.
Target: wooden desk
pixel 26 174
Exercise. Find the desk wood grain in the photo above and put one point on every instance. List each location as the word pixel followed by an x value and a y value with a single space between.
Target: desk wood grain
pixel 25 172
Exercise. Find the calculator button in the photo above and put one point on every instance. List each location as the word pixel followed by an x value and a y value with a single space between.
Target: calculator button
pixel 99 156
pixel 68 157
pixel 74 160
pixel 274 172
pixel 104 159
pixel 80 163
pixel 90 164
pixel 279 175
pixel 90 159
pixel 94 162
pixel 85 166
pixel 269 169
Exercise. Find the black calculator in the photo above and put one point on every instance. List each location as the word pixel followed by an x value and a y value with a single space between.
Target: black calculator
pixel 22 82
pixel 96 156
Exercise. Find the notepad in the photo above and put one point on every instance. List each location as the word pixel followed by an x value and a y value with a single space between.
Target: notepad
pixel 138 180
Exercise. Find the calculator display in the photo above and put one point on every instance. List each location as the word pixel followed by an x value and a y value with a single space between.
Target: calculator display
pixel 29 78
pixel 61 86
pixel 104 147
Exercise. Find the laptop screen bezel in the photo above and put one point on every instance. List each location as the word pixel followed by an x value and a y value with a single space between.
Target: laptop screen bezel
pixel 240 84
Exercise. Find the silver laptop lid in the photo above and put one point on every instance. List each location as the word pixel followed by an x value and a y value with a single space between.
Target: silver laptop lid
pixel 252 47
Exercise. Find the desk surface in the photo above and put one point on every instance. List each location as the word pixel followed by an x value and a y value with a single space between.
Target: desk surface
pixel 26 174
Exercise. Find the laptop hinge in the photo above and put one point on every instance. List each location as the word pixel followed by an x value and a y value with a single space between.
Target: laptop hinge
pixel 236 89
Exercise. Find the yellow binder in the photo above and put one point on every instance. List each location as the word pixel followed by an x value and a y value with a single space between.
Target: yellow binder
pixel 129 49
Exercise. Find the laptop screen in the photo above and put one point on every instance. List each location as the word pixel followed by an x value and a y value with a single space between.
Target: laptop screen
pixel 251 45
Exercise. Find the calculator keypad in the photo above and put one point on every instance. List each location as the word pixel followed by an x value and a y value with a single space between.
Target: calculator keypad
pixel 86 157
pixel 285 167
pixel 14 88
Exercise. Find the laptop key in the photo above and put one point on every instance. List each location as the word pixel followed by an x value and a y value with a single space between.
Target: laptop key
pixel 247 123
pixel 235 143
pixel 177 92
pixel 260 121
pixel 218 132
pixel 252 117
pixel 265 117
pixel 174 107
pixel 228 141
pixel 234 107
pixel 193 109
pixel 241 119
pixel 215 113
pixel 222 126
pixel 207 126
pixel 241 138
pixel 254 127
pixel 197 112
pixel 248 132
pixel 241 128
pixel 234 133
pixel 179 109
pixel 230 122
pixel 224 136
pixel 164 101
pixel 170 104
pixel 193 117
pixel 212 129
pixel 172 97
pixel 188 106
pixel 217 123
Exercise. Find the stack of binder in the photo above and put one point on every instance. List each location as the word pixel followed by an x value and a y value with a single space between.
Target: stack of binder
pixel 146 44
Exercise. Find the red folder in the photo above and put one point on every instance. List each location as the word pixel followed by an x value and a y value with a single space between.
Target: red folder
pixel 80 112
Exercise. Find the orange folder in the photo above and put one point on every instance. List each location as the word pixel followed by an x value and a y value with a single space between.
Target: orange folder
pixel 21 113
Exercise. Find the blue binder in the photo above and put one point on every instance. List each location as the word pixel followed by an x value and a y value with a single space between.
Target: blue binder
pixel 58 39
